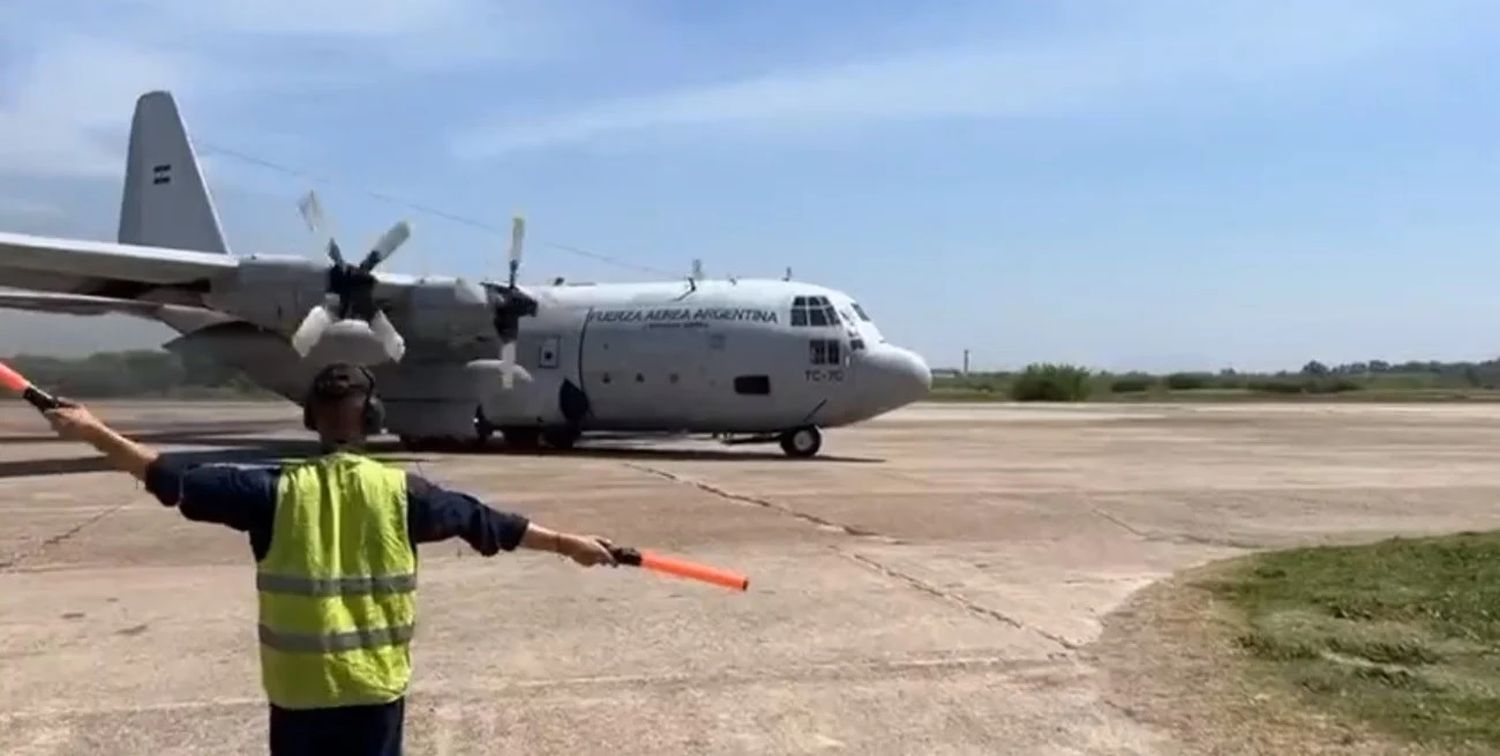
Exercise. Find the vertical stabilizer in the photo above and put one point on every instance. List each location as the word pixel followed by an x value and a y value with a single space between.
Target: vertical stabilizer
pixel 166 202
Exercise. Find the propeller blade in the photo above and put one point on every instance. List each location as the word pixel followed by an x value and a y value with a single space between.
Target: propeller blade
pixel 312 214
pixel 317 321
pixel 390 338
pixel 386 245
pixel 517 240
pixel 508 356
pixel 312 211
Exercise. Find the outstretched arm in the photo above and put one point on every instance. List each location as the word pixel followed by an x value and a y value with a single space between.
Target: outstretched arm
pixel 585 550
pixel 72 421
pixel 437 514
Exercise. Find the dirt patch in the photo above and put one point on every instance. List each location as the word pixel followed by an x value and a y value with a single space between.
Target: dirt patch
pixel 1171 661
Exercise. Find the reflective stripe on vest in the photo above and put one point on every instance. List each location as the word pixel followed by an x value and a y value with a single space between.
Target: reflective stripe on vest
pixel 300 643
pixel 303 586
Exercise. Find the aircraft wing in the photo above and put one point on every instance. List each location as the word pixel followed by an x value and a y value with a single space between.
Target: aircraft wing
pixel 107 269
pixel 76 304
pixel 187 289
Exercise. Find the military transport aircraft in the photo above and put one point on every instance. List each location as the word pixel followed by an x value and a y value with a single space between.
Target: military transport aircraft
pixel 456 360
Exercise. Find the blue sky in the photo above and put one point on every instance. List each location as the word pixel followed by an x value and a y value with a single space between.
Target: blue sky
pixel 1153 185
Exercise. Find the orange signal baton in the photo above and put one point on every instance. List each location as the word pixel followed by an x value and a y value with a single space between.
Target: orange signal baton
pixel 681 568
pixel 38 398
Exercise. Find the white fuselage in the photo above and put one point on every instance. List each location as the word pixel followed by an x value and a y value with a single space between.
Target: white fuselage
pixel 752 356
pixel 711 357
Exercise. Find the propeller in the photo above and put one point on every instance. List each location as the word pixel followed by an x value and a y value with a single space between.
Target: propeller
pixel 512 305
pixel 348 309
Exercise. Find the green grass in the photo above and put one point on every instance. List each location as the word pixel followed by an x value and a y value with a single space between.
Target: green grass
pixel 1403 634
pixel 1103 387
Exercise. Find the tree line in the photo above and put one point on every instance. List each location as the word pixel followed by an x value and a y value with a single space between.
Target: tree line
pixel 1060 382
pixel 137 373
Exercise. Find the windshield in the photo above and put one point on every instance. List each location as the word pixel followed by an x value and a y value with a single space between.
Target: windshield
pixel 860 311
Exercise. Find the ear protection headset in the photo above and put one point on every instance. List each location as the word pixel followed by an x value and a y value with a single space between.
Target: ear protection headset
pixel 372 414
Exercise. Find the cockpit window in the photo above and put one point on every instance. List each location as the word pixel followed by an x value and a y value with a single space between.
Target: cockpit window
pixel 860 311
pixel 814 312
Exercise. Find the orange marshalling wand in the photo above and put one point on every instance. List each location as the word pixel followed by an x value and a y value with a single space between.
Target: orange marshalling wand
pixel 682 568
pixel 14 381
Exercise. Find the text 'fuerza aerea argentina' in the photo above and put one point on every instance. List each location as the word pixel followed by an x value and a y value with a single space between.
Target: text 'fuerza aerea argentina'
pixel 684 315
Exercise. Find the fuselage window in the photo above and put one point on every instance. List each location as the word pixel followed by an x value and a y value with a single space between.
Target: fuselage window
pixel 814 312
pixel 752 384
pixel 825 352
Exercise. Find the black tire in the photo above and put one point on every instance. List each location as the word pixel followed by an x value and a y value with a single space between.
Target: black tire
pixel 522 438
pixel 560 438
pixel 483 431
pixel 802 442
pixel 420 443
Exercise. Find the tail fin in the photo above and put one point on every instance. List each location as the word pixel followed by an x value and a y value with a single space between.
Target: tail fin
pixel 166 202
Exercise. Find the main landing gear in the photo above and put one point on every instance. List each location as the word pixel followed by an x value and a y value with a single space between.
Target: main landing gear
pixel 802 442
pixel 534 438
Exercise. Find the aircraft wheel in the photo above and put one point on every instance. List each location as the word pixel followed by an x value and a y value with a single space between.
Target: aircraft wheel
pixel 417 443
pixel 483 431
pixel 802 442
pixel 560 438
pixel 521 438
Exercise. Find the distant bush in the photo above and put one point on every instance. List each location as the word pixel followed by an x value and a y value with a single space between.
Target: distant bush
pixel 1051 383
pixel 137 373
pixel 1131 384
pixel 1303 385
pixel 1189 381
pixel 1332 385
pixel 1274 385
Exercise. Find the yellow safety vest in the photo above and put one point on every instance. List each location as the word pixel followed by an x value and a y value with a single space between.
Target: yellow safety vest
pixel 338 587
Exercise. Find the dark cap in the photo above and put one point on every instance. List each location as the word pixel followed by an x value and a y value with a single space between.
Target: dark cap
pixel 340 380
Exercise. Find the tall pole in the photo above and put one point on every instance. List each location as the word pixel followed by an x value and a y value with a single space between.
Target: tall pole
pixel 966 362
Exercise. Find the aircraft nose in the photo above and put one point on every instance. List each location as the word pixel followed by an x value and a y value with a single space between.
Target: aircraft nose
pixel 897 376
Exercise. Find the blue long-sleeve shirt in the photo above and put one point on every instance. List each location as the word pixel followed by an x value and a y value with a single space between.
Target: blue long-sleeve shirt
pixel 244 498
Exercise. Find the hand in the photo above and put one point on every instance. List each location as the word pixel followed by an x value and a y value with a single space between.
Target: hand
pixel 74 422
pixel 586 550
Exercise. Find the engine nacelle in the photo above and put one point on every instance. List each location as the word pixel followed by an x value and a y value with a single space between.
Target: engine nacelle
pixel 445 311
pixel 272 293
pixel 264 356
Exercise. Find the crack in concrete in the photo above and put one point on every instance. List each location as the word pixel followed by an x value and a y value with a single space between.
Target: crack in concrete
pixel 762 503
pixel 973 607
pixel 1175 538
pixel 47 543
pixel 1123 524
pixel 1186 538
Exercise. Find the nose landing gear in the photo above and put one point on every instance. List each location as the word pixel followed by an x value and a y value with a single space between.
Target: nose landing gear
pixel 802 442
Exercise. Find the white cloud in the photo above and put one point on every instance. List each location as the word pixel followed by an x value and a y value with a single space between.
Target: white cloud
pixel 70 75
pixel 72 102
pixel 1158 48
